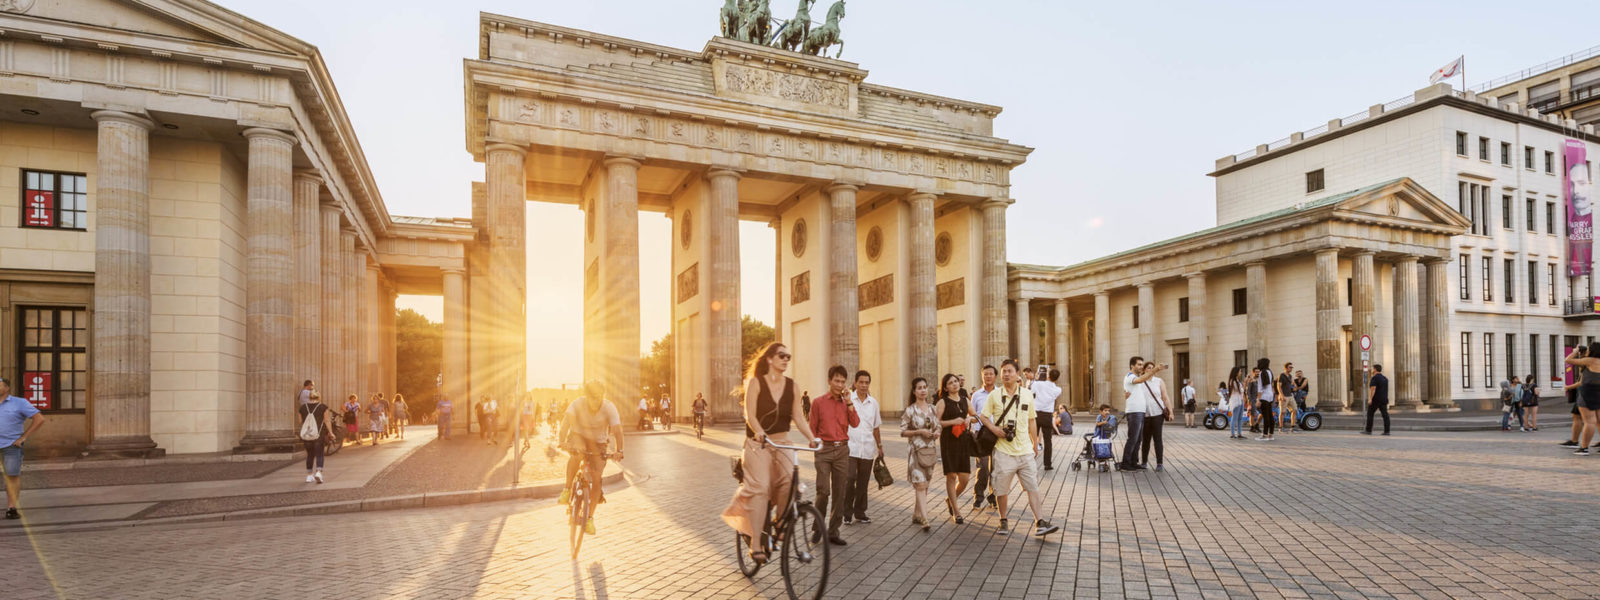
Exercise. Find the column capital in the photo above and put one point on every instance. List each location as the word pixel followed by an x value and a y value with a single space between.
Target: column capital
pixel 307 175
pixel 453 270
pixel 1436 260
pixel 117 116
pixel 1145 284
pixel 612 160
pixel 1364 252
pixel 1197 275
pixel 842 185
pixel 1255 263
pixel 374 267
pixel 922 195
pixel 1321 251
pixel 328 207
pixel 517 149
pixel 776 223
pixel 717 172
pixel 1102 294
pixel 1000 203
pixel 1062 302
pixel 1407 258
pixel 255 133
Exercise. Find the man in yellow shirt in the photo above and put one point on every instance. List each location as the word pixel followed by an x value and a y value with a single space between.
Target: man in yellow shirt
pixel 1008 413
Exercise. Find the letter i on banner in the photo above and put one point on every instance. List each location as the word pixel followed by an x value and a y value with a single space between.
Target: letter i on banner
pixel 1580 208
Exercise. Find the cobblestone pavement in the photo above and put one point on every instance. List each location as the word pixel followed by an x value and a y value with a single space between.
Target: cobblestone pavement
pixel 1311 515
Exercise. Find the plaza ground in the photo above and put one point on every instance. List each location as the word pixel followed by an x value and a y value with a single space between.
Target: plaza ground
pixel 1311 515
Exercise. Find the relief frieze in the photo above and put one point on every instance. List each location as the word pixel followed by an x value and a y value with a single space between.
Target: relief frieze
pixel 950 294
pixel 875 293
pixel 787 86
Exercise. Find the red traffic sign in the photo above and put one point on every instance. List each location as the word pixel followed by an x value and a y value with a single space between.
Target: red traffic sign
pixel 1366 342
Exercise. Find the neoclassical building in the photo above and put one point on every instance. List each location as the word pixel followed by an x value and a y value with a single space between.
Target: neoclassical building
pixel 192 230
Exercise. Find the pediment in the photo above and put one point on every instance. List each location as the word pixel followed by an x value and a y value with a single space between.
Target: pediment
pixel 190 20
pixel 1402 200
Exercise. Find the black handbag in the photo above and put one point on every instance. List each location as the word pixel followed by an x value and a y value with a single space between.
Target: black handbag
pixel 880 472
pixel 986 438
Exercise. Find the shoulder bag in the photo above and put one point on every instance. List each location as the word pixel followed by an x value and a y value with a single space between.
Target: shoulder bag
pixel 986 437
pixel 1166 415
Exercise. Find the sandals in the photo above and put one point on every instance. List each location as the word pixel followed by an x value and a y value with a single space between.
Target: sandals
pixel 951 504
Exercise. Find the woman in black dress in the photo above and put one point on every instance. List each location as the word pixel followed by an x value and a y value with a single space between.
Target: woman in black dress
pixel 953 450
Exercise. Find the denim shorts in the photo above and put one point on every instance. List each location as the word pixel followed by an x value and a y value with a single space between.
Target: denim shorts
pixel 11 456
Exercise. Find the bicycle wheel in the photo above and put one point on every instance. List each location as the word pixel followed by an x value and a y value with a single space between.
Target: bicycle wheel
pixel 579 514
pixel 333 446
pixel 741 549
pixel 805 565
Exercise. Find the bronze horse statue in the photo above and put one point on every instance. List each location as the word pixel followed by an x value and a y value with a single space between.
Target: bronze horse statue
pixel 793 35
pixel 729 18
pixel 818 40
pixel 757 24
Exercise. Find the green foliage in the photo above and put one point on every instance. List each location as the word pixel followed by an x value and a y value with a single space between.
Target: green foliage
pixel 756 335
pixel 419 349
pixel 655 368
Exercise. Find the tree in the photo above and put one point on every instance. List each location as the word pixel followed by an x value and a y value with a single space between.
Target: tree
pixel 419 355
pixel 756 335
pixel 655 368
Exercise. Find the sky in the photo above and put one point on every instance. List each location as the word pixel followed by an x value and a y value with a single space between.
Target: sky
pixel 1128 105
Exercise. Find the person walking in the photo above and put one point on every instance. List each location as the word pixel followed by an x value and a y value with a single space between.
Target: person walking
pixel 1156 415
pixel 1377 399
pixel 375 417
pixel 1045 394
pixel 832 416
pixel 767 415
pixel 954 414
pixel 402 415
pixel 1286 391
pixel 491 419
pixel 1234 402
pixel 1010 417
pixel 1511 404
pixel 383 418
pixel 644 415
pixel 921 430
pixel 19 419
pixel 1530 401
pixel 1266 388
pixel 352 409
pixel 866 447
pixel 1588 393
pixel 316 449
pixel 984 463
pixel 442 409
pixel 1136 399
pixel 1187 393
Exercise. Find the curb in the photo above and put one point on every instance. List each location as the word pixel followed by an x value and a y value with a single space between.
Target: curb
pixel 535 491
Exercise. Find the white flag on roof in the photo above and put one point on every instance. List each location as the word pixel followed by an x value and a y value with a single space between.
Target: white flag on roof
pixel 1445 72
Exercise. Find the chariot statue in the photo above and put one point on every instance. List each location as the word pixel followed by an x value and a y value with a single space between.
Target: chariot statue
pixel 751 21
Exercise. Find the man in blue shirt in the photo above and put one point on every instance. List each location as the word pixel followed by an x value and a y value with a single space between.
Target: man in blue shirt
pixel 14 413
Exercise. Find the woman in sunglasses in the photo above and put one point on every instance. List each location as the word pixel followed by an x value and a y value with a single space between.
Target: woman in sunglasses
pixel 770 408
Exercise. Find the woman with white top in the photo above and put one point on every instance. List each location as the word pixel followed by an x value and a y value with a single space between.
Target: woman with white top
pixel 1266 394
pixel 1235 402
pixel 1156 413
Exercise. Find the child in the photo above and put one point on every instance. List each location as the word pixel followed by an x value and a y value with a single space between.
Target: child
pixel 1106 424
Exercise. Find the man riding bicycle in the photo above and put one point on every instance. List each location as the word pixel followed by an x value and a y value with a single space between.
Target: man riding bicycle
pixel 590 423
pixel 700 411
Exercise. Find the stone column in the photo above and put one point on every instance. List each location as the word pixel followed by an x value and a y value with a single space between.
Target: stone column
pixel 1063 327
pixel 921 326
pixel 619 287
pixel 1147 317
pixel 1437 305
pixel 332 371
pixel 777 280
pixel 992 297
pixel 119 407
pixel 307 291
pixel 1023 332
pixel 505 184
pixel 1407 345
pixel 349 303
pixel 269 311
pixel 360 351
pixel 1199 338
pixel 372 327
pixel 844 315
pixel 1255 325
pixel 722 283
pixel 1105 373
pixel 1330 378
pixel 455 368
pixel 1364 289
pixel 387 359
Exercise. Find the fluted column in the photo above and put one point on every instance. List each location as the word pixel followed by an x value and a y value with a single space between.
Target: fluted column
pixel 331 370
pixel 1436 302
pixel 1023 332
pixel 1363 318
pixel 1330 379
pixel 1255 325
pixel 777 278
pixel 1199 337
pixel 269 311
pixel 1147 317
pixel 922 328
pixel 361 351
pixel 619 287
pixel 1105 373
pixel 1063 329
pixel 505 182
pixel 722 283
pixel 1407 342
pixel 349 305
pixel 307 290
pixel 390 295
pixel 844 315
pixel 372 327
pixel 454 370
pixel 992 295
pixel 119 409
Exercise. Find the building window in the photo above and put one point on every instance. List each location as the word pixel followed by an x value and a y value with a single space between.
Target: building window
pixel 55 357
pixel 1461 143
pixel 1531 224
pixel 1488 360
pixel 1240 357
pixel 1483 148
pixel 1135 316
pixel 1511 356
pixel 1527 157
pixel 1349 292
pixel 1474 202
pixel 1314 181
pixel 1488 279
pixel 1550 218
pixel 1180 364
pixel 1463 277
pixel 1549 162
pixel 1505 154
pixel 1506 221
pixel 54 200
pixel 1240 304
pixel 1533 282
pixel 1183 310
pixel 1461 198
pixel 1466 359
pixel 1550 283
pixel 1533 357
pixel 1556 365
pixel 1510 277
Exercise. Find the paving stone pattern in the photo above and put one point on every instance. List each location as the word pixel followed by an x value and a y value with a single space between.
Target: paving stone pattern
pixel 1312 515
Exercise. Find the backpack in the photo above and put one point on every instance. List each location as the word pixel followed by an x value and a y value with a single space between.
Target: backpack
pixel 308 428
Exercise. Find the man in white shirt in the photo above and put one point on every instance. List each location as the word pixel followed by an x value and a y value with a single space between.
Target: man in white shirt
pixel 866 445
pixel 979 397
pixel 644 414
pixel 1133 392
pixel 1045 394
pixel 1188 403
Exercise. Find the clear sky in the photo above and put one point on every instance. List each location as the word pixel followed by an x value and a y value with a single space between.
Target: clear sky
pixel 1128 104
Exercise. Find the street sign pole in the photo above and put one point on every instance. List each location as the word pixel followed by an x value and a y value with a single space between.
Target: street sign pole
pixel 1366 372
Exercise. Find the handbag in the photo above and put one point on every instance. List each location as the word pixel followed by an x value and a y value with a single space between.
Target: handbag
pixel 986 437
pixel 880 472
pixel 1166 415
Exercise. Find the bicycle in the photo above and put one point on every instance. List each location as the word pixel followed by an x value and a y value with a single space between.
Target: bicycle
pixel 787 536
pixel 581 508
pixel 699 426
pixel 335 440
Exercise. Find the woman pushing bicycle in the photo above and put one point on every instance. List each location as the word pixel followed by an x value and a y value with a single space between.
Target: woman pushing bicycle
pixel 770 407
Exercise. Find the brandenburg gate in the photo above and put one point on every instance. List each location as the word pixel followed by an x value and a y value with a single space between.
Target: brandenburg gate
pixel 890 206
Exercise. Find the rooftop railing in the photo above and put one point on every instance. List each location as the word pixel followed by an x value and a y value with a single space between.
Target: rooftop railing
pixel 1537 69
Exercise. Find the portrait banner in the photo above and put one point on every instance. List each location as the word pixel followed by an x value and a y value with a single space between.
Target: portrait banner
pixel 1580 208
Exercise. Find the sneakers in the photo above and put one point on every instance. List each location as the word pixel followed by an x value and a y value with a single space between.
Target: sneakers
pixel 1581 452
pixel 566 497
pixel 588 526
pixel 863 520
pixel 1569 444
pixel 319 476
pixel 848 521
pixel 1043 528
pixel 977 503
pixel 310 478
pixel 1158 467
pixel 1261 438
pixel 1005 528
pixel 13 514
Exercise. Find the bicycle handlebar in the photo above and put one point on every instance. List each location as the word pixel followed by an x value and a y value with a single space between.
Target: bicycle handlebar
pixel 769 442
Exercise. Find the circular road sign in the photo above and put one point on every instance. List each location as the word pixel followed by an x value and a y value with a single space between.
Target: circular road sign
pixel 1366 342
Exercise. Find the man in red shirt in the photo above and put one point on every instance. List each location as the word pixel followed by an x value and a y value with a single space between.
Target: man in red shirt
pixel 832 416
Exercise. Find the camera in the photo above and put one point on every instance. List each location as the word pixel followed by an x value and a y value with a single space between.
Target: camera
pixel 1011 430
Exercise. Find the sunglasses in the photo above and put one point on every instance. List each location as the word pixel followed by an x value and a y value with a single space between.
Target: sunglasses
pixel 782 356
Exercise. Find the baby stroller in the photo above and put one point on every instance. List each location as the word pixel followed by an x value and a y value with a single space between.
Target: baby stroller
pixel 1098 450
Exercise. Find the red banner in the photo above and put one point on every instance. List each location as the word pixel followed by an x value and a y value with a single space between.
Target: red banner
pixel 36 388
pixel 40 209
